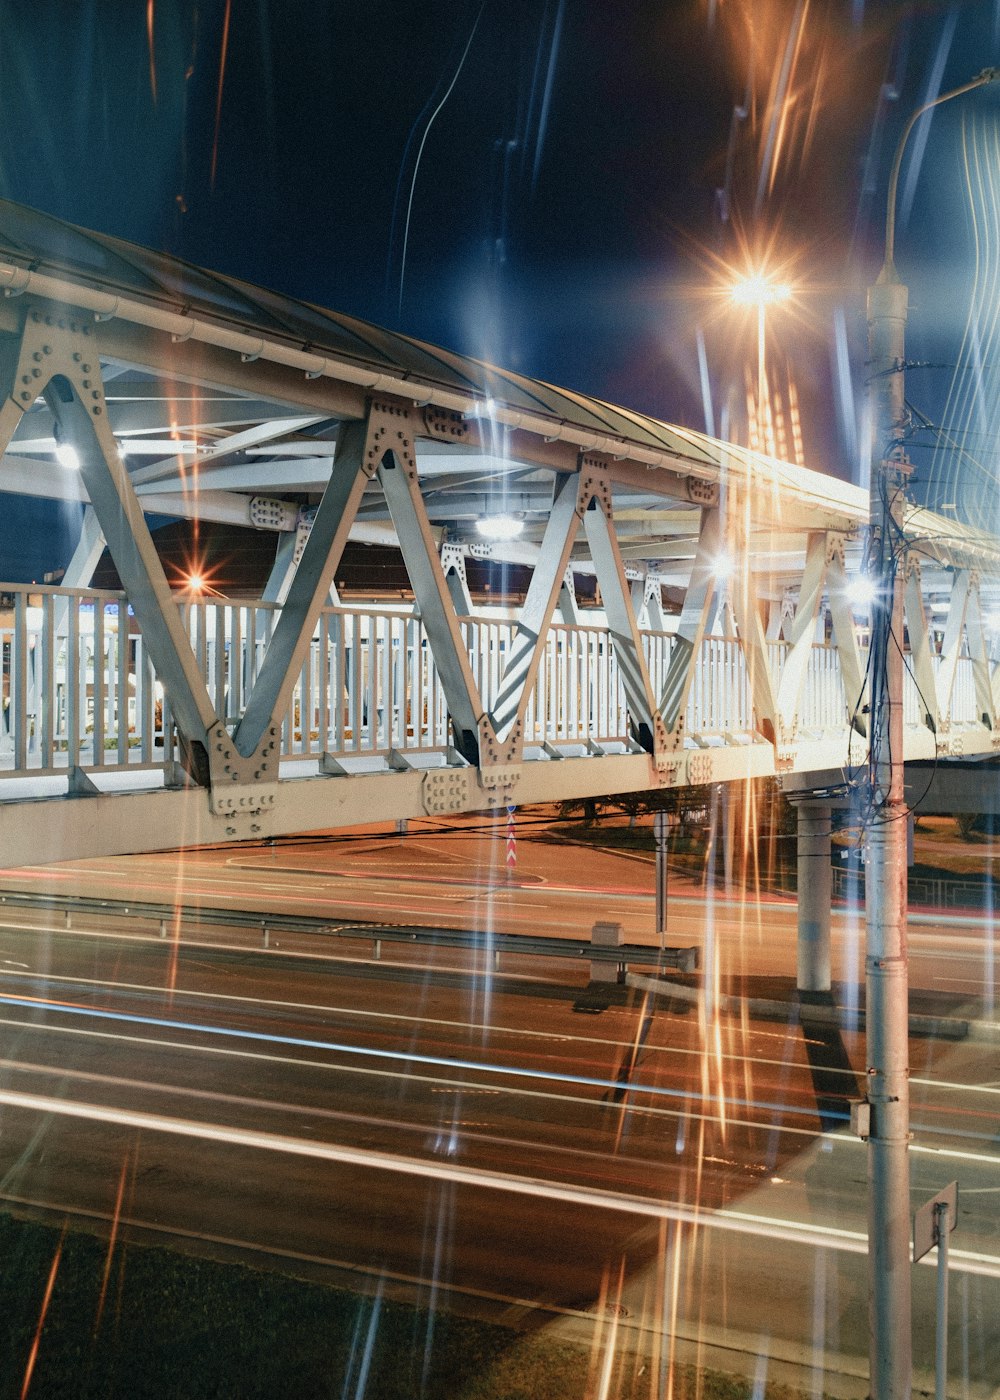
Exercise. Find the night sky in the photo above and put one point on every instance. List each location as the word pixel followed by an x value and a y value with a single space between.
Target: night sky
pixel 577 174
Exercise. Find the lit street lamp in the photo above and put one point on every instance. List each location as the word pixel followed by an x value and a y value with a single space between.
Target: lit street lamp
pixel 886 971
pixel 760 291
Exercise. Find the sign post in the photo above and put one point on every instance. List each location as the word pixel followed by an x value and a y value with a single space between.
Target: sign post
pixel 932 1224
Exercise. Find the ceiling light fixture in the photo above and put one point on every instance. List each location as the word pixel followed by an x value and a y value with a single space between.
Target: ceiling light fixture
pixel 499 527
pixel 67 455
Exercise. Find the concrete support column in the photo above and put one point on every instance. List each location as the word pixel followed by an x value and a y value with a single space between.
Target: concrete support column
pixel 815 883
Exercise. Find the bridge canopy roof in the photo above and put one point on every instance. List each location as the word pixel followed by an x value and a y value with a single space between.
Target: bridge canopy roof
pixel 126 284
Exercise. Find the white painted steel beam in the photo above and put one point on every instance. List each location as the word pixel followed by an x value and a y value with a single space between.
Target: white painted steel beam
pixel 801 636
pixel 399 481
pixel 358 454
pixel 699 601
pixel 647 723
pixel 521 665
pixel 852 672
pixel 951 644
pixel 921 660
pixel 979 652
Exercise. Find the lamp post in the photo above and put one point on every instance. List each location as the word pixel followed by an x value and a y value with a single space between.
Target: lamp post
pixel 760 291
pixel 886 970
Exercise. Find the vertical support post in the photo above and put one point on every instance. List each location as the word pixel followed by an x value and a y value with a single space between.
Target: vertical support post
pixel 942 1230
pixel 661 830
pixel 889 1308
pixel 886 967
pixel 727 808
pixel 815 891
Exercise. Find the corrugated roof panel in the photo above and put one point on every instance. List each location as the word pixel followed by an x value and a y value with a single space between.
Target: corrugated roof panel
pixel 36 238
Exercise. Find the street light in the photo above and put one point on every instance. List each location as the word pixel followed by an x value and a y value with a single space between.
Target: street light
pixel 886 971
pixel 760 291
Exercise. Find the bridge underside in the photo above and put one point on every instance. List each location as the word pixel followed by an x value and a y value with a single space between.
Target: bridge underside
pixel 721 642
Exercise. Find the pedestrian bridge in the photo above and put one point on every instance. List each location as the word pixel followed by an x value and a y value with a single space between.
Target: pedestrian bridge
pixel 688 610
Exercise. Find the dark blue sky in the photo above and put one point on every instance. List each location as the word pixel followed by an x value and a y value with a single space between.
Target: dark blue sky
pixel 565 217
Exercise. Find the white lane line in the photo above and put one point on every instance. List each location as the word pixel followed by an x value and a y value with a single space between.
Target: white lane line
pixel 433 1081
pixel 953 1085
pixel 952 1153
pixel 463 1128
pixel 593 1197
pixel 480 1027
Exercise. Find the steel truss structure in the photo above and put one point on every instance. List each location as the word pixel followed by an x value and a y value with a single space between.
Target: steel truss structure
pixel 725 645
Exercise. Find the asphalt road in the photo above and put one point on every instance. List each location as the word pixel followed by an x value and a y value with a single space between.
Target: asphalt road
pixel 469 1135
pixel 454 874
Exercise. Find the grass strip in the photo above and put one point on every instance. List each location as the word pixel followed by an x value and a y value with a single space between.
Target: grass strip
pixel 146 1323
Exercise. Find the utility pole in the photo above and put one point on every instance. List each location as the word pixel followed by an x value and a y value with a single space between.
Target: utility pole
pixel 886 967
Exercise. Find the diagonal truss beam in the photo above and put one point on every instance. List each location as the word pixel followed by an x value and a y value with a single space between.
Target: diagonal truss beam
pixel 921 660
pixel 979 651
pixel 699 599
pixel 845 635
pixel 801 634
pixel 268 432
pixel 547 579
pixel 360 448
pixel 397 474
pixel 57 355
pixel 951 644
pixel 647 723
pixel 749 625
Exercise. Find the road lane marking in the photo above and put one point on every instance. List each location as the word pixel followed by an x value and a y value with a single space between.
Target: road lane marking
pixel 409 1058
pixel 431 1081
pixel 491 1027
pixel 849 1241
pixel 463 1086
pixel 405 1057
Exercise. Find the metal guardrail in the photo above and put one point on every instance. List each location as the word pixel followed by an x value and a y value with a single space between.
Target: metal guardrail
pixel 495 944
pixel 937 891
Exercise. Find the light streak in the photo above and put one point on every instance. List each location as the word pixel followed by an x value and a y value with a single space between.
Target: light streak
pixel 112 1237
pixel 918 141
pixel 404 1057
pixel 420 151
pixel 434 1082
pixel 780 103
pixel 844 385
pixel 33 1354
pixel 543 115
pixel 218 94
pixel 150 25
pixel 706 384
pixel 609 1342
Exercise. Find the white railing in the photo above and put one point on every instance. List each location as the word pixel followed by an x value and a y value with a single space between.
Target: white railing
pixel 823 705
pixel 77 686
pixel 577 695
pixel 78 689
